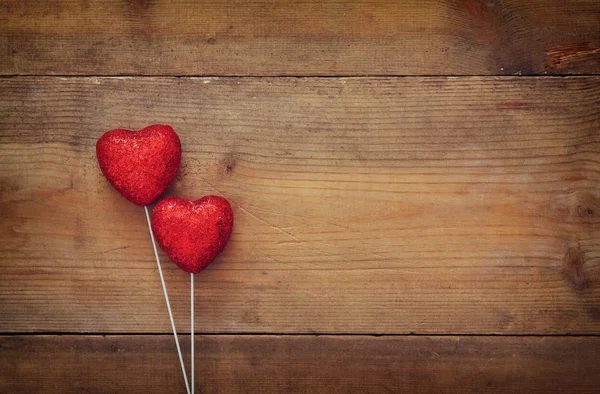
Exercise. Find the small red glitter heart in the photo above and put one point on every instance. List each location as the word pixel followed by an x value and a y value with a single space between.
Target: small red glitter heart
pixel 140 164
pixel 192 233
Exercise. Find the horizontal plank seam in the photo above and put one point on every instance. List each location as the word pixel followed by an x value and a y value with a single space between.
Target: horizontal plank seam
pixel 282 334
pixel 315 76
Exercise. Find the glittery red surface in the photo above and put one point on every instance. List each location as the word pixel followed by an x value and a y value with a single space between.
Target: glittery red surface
pixel 140 164
pixel 192 233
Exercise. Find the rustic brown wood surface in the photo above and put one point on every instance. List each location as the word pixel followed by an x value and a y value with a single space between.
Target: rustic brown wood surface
pixel 338 364
pixel 362 205
pixel 462 207
pixel 312 37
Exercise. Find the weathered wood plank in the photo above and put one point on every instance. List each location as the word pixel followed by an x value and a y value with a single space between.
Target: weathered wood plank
pixel 166 37
pixel 369 205
pixel 266 364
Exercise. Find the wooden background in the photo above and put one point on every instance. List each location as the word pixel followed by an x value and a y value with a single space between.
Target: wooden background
pixel 416 189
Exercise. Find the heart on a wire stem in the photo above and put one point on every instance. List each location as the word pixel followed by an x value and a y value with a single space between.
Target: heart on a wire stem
pixel 140 164
pixel 192 233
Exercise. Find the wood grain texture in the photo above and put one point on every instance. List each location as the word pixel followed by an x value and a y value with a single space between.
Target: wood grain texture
pixel 306 37
pixel 290 364
pixel 362 205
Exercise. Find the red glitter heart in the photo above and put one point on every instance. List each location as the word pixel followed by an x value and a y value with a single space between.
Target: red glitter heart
pixel 140 164
pixel 192 233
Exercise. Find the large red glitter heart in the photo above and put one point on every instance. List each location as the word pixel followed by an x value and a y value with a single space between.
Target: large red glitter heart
pixel 140 164
pixel 192 233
